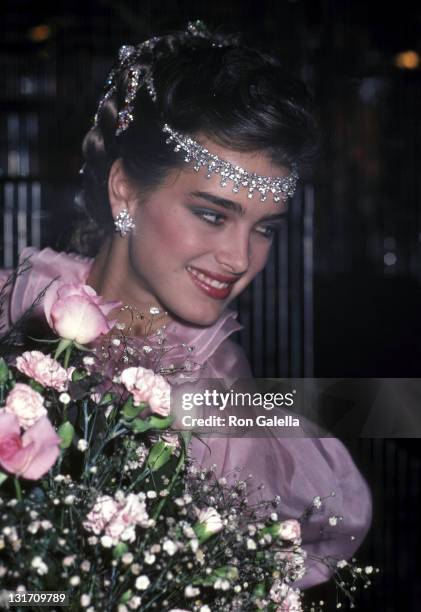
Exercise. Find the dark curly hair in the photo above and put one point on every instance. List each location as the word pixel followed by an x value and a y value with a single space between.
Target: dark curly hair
pixel 210 84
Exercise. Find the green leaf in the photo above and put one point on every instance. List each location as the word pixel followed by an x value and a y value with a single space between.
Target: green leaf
pixel 81 347
pixel 36 386
pixel 62 346
pixel 152 422
pixel 3 477
pixel 159 455
pixel 78 375
pixel 158 422
pixel 260 590
pixel 226 571
pixel 130 411
pixel 119 550
pixel 66 433
pixel 107 398
pixel 126 596
pixel 44 340
pixel 4 372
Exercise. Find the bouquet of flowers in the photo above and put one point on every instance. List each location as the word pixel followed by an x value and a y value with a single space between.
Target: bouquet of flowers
pixel 100 501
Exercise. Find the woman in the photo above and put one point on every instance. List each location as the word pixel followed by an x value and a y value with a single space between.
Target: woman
pixel 176 242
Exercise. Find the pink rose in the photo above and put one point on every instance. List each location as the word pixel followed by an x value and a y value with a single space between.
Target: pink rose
pixel 26 404
pixel 32 454
pixel 289 530
pixel 146 386
pixel 44 369
pixel 75 312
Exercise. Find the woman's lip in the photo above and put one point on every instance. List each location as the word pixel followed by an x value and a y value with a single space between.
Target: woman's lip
pixel 218 277
pixel 214 292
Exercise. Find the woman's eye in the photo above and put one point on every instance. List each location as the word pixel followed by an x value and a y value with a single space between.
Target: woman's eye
pixel 210 217
pixel 266 231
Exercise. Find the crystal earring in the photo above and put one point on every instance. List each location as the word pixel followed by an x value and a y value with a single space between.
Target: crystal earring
pixel 124 223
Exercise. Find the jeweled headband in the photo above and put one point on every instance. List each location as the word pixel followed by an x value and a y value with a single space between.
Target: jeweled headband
pixel 281 188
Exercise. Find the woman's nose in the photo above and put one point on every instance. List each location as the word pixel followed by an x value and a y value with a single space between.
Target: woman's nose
pixel 234 252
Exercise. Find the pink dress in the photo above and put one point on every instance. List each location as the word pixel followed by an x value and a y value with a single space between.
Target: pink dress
pixel 297 469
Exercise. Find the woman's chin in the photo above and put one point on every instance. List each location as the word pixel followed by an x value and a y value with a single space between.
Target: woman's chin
pixel 203 318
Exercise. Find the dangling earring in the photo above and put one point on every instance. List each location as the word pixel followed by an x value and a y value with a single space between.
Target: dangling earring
pixel 124 223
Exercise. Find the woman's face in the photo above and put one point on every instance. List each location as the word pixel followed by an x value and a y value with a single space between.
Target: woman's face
pixel 198 245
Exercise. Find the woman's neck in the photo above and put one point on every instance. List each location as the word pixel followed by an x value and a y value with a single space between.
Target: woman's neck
pixel 110 278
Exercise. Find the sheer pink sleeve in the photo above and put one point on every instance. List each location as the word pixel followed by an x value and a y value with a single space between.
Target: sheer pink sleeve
pixel 4 300
pixel 297 469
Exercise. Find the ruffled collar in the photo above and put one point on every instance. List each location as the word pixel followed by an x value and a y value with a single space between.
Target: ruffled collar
pixel 48 265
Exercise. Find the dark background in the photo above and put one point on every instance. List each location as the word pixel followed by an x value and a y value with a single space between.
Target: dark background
pixel 345 277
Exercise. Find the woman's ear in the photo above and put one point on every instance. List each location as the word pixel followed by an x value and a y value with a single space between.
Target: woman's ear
pixel 121 192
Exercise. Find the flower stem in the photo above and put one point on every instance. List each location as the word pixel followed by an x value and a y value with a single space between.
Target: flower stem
pixel 67 356
pixel 18 489
pixel 180 463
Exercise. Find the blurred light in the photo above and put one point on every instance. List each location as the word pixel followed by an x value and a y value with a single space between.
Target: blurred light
pixel 40 33
pixel 407 59
pixel 389 259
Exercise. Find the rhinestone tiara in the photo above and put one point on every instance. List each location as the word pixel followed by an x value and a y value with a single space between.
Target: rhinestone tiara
pixel 281 188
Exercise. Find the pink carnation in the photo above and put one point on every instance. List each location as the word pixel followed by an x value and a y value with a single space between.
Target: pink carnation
pixel 26 404
pixel 44 369
pixel 146 386
pixel 117 518
pixel 32 454
pixel 75 312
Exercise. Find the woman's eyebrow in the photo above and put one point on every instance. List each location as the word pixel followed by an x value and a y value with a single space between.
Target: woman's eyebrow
pixel 235 206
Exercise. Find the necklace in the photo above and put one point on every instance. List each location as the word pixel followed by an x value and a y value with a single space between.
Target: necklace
pixel 148 320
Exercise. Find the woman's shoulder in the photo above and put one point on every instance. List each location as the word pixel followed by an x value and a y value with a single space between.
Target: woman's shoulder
pixel 36 270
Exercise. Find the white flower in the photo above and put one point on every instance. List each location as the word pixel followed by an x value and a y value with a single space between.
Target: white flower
pixel 69 499
pixel 210 518
pixel 333 520
pixel 106 541
pixel 289 530
pixel 38 564
pixel 64 398
pixel 134 602
pixel 127 558
pixel 74 581
pixel 317 502
pixel 85 566
pixel 82 445
pixel 85 600
pixel 191 591
pixel 194 544
pixel 170 547
pixel 142 583
pixel 149 559
pixel 369 569
pixel 204 609
pixel 69 560
pixel 342 563
pixel 251 544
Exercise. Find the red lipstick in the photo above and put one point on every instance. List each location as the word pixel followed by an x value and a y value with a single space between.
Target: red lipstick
pixel 219 293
